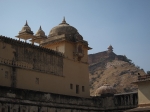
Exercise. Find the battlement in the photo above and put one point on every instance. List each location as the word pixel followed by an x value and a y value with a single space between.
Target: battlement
pixel 22 43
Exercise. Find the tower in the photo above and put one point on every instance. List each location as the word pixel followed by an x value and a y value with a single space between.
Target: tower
pixel 67 40
pixel 39 36
pixel 25 33
pixel 110 49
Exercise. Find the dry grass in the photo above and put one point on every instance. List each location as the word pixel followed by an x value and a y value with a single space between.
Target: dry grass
pixel 120 76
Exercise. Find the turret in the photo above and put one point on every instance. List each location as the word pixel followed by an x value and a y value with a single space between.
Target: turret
pixel 25 33
pixel 110 49
pixel 39 36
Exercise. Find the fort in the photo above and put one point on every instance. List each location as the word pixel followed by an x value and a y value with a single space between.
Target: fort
pixel 53 75
pixel 95 58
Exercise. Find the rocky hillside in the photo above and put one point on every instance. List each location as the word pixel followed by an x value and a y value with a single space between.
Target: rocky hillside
pixel 117 70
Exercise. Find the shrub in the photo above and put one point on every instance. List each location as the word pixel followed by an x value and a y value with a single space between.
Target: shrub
pixel 148 72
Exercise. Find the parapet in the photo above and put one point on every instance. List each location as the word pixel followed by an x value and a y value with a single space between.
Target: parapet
pixel 21 43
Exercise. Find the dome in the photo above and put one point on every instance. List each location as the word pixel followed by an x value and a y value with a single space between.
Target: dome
pixel 105 89
pixel 26 29
pixel 63 28
pixel 40 33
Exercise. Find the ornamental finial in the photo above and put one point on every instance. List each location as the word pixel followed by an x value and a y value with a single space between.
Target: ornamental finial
pixel 64 21
pixel 40 28
pixel 26 23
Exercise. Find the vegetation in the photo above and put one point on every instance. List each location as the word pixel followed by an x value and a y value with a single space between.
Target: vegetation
pixel 148 72
pixel 138 67
pixel 128 60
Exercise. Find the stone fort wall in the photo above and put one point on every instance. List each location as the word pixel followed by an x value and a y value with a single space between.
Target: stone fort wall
pixel 20 100
pixel 98 57
pixel 30 56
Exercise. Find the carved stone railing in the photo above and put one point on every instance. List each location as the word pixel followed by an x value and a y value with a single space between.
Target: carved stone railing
pixel 126 100
pixel 14 63
pixel 25 65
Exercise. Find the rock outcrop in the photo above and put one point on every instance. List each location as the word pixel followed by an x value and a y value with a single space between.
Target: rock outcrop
pixel 117 70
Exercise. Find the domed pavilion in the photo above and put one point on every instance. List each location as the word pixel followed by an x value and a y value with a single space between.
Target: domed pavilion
pixel 105 90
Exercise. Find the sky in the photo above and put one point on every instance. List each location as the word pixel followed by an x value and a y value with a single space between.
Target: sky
pixel 124 24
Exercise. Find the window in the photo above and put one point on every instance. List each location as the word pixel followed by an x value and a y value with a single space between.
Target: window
pixel 77 89
pixel 6 74
pixel 83 89
pixel 71 86
pixel 37 80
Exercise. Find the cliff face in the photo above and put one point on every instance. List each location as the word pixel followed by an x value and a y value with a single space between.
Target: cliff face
pixel 116 70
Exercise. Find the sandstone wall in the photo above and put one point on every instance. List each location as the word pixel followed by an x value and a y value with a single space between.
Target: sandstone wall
pixel 31 67
pixel 19 100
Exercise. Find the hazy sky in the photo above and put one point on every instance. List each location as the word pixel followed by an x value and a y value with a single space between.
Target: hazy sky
pixel 125 24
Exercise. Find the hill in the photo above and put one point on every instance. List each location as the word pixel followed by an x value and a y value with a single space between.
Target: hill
pixel 116 70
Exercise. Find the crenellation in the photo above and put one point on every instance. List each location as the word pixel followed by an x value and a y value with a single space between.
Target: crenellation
pixel 24 44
